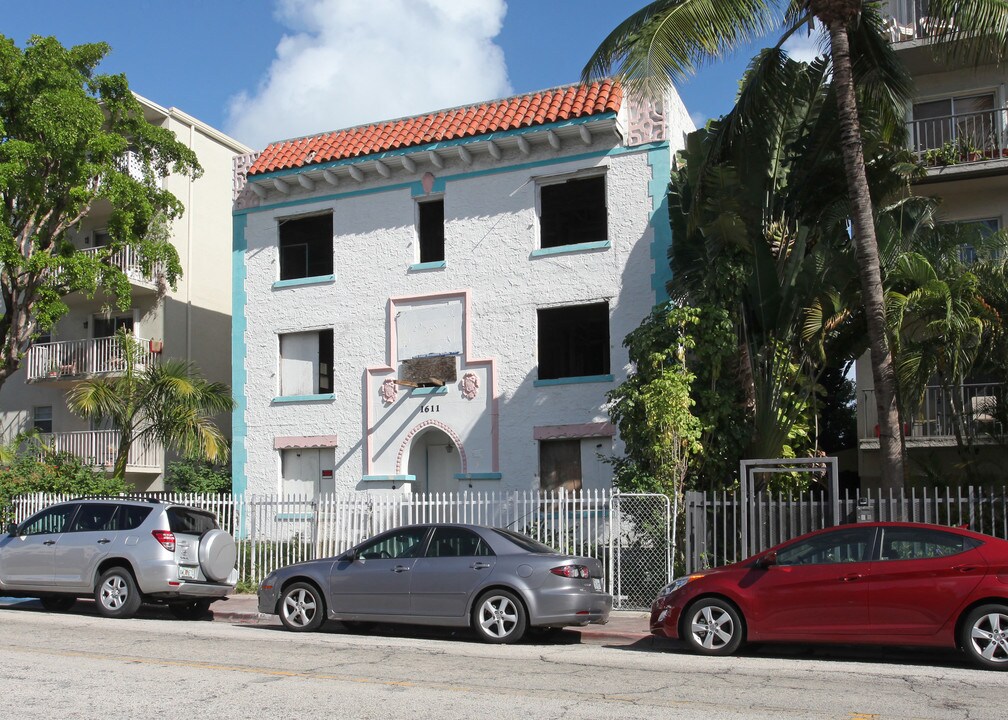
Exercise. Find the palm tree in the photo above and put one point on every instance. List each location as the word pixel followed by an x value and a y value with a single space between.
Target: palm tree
pixel 167 402
pixel 668 39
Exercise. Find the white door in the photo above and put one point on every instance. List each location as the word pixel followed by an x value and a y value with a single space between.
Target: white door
pixel 300 470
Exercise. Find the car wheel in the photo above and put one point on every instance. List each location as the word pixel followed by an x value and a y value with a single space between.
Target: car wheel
pixel 499 617
pixel 56 603
pixel 195 610
pixel 302 608
pixel 713 627
pixel 984 636
pixel 116 594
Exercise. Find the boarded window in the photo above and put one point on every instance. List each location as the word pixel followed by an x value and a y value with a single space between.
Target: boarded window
pixel 560 464
pixel 430 228
pixel 306 247
pixel 306 363
pixel 573 212
pixel 574 341
pixel 434 371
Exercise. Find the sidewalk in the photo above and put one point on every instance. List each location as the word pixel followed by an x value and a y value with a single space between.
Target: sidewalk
pixel 625 625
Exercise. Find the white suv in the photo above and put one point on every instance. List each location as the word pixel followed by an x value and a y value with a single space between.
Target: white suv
pixel 123 552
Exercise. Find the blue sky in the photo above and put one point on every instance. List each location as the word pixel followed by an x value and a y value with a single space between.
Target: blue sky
pixel 263 70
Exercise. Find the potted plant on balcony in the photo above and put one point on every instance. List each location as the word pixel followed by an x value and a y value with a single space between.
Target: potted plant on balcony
pixel 947 154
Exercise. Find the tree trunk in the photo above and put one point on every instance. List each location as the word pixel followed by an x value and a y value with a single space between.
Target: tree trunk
pixel 890 447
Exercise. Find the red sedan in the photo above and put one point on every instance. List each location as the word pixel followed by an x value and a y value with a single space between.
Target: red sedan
pixel 870 583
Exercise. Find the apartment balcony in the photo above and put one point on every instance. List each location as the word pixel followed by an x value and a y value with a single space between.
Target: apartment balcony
pixel 72 360
pixel 962 144
pixel 98 449
pixel 128 261
pixel 980 417
pixel 130 163
pixel 908 20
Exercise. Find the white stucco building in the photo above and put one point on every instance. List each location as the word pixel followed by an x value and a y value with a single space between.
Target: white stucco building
pixel 438 303
pixel 191 322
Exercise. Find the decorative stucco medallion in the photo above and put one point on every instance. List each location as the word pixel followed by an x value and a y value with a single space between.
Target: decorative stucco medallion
pixel 470 385
pixel 427 181
pixel 389 391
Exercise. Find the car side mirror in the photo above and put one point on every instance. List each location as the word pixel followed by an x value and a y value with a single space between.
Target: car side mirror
pixel 12 529
pixel 768 560
pixel 349 556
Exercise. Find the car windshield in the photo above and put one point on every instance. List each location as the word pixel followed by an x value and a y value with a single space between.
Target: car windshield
pixel 524 541
pixel 189 521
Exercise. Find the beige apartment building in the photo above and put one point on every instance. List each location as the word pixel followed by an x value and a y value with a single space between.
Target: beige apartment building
pixel 191 322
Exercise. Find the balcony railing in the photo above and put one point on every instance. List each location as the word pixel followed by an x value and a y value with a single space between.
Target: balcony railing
pixel 982 413
pixel 960 138
pixel 98 448
pixel 128 261
pixel 82 358
pixel 130 163
pixel 909 20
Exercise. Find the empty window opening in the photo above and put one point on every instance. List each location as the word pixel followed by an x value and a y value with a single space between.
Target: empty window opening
pixel 432 371
pixel 306 247
pixel 574 341
pixel 430 228
pixel 573 212
pixel 560 464
pixel 306 363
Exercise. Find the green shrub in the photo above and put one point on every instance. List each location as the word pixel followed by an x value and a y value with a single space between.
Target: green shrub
pixel 198 476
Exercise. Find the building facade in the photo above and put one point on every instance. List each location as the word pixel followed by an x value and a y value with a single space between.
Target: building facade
pixel 191 322
pixel 958 128
pixel 438 303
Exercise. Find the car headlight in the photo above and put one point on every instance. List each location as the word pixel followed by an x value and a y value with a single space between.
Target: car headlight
pixel 679 583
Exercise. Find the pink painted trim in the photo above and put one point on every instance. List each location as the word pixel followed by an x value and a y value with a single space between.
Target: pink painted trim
pixel 304 441
pixel 423 426
pixel 586 430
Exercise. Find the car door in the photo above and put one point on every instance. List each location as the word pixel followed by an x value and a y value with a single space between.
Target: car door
pixel 86 541
pixel 27 558
pixel 922 576
pixel 377 580
pixel 817 588
pixel 456 564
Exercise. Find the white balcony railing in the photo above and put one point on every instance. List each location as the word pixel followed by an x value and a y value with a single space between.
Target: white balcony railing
pixel 84 358
pixel 982 410
pixel 128 261
pixel 909 20
pixel 960 138
pixel 130 163
pixel 98 448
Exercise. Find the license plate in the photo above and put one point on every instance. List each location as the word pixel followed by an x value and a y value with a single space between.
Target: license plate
pixel 188 573
pixel 597 584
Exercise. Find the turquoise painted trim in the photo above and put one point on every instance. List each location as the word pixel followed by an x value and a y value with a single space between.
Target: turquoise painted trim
pixel 660 160
pixel 436 189
pixel 573 380
pixel 239 428
pixel 388 478
pixel 316 280
pixel 435 265
pixel 444 144
pixel 478 476
pixel 611 152
pixel 575 248
pixel 304 398
pixel 429 391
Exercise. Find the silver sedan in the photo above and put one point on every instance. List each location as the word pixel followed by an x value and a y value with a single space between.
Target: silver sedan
pixel 498 582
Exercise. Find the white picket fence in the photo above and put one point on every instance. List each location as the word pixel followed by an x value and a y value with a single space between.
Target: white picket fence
pixel 627 533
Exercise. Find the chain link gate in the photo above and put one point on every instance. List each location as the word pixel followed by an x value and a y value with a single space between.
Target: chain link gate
pixel 640 549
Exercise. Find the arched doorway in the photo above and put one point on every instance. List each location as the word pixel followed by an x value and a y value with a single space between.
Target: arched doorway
pixel 434 461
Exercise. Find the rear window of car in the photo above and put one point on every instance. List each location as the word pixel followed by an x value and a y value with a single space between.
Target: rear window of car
pixel 189 521
pixel 524 541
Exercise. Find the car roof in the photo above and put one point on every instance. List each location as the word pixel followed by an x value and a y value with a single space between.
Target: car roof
pixel 894 524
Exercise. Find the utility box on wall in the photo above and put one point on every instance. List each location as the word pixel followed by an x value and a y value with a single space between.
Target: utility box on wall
pixel 865 512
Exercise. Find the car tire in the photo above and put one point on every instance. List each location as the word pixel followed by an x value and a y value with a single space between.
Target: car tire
pixel 712 627
pixel 983 635
pixel 217 555
pixel 116 594
pixel 194 610
pixel 57 603
pixel 302 608
pixel 499 617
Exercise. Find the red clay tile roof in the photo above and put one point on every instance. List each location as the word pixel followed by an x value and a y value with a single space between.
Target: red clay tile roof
pixel 546 106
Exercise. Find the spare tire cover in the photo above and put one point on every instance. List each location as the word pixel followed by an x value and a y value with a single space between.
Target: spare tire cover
pixel 217 554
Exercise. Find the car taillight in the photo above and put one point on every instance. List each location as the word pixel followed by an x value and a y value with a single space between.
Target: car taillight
pixel 166 538
pixel 571 571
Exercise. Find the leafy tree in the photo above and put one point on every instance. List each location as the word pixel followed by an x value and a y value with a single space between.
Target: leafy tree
pixel 668 39
pixel 198 476
pixel 166 402
pixel 65 134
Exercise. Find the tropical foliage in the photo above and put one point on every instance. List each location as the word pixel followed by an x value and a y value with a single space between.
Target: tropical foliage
pixel 198 476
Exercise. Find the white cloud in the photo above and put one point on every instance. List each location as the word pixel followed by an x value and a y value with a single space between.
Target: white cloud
pixel 348 62
pixel 804 47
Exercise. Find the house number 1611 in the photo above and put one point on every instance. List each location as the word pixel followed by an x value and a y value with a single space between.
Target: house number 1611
pixel 431 408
